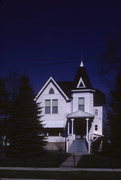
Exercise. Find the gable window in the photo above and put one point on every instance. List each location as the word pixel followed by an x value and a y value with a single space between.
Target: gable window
pixel 51 91
pixel 47 106
pixel 81 103
pixel 54 106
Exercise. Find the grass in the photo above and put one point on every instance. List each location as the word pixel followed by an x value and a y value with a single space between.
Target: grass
pixel 52 159
pixel 48 159
pixel 61 175
pixel 99 161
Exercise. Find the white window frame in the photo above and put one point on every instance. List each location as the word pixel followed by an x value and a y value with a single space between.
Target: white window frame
pixel 52 108
pixel 47 107
pixel 81 106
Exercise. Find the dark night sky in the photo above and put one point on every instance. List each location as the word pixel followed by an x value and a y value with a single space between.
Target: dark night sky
pixel 47 38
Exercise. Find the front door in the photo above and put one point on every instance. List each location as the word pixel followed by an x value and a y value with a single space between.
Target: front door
pixel 80 128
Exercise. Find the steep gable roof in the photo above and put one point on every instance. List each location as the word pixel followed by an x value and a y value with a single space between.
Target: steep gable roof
pixel 56 85
pixel 66 86
pixel 81 83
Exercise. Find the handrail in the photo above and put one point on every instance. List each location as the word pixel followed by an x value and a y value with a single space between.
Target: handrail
pixel 69 141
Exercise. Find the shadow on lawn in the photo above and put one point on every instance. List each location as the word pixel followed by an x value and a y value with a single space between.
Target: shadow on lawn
pixel 100 161
pixel 45 159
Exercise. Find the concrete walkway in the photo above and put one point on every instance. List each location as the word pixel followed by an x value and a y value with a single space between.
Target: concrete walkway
pixel 23 179
pixel 62 169
pixel 71 161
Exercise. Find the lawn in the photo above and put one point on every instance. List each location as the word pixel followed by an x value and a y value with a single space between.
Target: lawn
pixel 54 159
pixel 61 175
pixel 48 159
pixel 99 161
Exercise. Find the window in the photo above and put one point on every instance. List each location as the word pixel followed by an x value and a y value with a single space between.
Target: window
pixel 96 127
pixel 96 112
pixel 81 104
pixel 51 106
pixel 51 91
pixel 54 106
pixel 47 106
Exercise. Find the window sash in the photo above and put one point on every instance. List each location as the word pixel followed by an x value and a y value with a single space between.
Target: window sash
pixel 47 110
pixel 54 109
pixel 81 101
pixel 47 102
pixel 81 104
pixel 51 106
pixel 81 107
pixel 54 106
pixel 54 102
pixel 47 106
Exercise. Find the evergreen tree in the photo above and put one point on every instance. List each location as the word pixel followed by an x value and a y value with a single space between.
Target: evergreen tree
pixel 114 114
pixel 4 113
pixel 110 62
pixel 25 127
pixel 12 84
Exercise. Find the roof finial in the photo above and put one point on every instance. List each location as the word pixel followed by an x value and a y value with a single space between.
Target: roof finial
pixel 82 64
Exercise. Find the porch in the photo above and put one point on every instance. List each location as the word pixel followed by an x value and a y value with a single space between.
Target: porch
pixel 78 128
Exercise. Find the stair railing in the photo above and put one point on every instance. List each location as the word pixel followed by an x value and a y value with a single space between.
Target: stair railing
pixel 89 140
pixel 69 141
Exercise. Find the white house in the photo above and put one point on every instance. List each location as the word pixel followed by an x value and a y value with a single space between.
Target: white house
pixel 72 112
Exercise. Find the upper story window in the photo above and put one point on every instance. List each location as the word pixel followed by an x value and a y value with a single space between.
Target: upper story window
pixel 47 106
pixel 51 91
pixel 51 106
pixel 96 112
pixel 54 106
pixel 81 103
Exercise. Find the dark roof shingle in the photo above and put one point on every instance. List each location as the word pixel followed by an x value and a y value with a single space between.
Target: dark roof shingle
pixel 66 86
pixel 81 73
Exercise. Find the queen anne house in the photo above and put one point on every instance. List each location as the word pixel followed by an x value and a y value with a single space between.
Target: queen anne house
pixel 72 113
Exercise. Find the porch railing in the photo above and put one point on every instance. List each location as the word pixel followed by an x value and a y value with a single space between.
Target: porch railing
pixel 69 141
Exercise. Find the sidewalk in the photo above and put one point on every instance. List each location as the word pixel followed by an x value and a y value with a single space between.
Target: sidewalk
pixel 71 161
pixel 62 169
pixel 23 179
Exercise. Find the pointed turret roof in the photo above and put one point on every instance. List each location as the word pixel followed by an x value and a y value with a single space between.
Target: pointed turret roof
pixel 81 64
pixel 81 79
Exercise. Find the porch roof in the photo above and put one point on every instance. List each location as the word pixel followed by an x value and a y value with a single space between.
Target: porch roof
pixel 79 114
pixel 53 124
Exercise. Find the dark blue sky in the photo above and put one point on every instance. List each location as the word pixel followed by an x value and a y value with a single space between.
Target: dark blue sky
pixel 47 38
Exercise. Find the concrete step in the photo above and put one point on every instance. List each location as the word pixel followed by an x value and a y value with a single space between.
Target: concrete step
pixel 78 146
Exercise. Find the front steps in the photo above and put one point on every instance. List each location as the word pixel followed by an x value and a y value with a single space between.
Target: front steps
pixel 78 147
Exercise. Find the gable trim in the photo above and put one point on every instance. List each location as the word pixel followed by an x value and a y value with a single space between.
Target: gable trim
pixel 56 85
pixel 81 82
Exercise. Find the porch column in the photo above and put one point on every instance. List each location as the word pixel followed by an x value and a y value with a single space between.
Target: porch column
pixel 87 133
pixel 68 129
pixel 72 120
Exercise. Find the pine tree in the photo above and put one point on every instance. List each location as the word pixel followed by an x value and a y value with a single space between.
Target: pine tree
pixel 4 113
pixel 25 127
pixel 115 114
